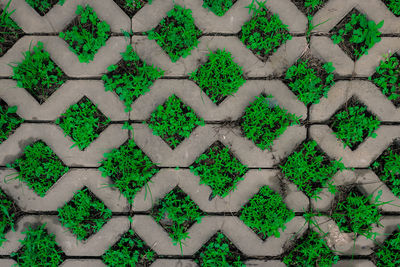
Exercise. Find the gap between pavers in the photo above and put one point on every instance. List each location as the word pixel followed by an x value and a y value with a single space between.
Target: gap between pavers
pixel 112 137
pixel 243 237
pixel 167 179
pixel 354 263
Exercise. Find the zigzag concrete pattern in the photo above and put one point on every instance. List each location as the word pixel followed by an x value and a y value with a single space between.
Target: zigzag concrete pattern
pixel 263 78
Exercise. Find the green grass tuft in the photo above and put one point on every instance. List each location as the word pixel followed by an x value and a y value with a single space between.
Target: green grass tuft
pixel 218 7
pixel 10 32
pixel 131 77
pixel 264 121
pixel 388 255
pixel 84 215
pixel 44 6
pixel 39 167
pixel 131 7
pixel 129 168
pixel 174 121
pixel 7 215
pixel 9 121
pixel 219 77
pixel 176 34
pixel 87 34
pixel 219 169
pixel 394 6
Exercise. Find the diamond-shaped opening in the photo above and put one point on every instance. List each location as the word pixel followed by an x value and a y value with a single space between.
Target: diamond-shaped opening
pixel 219 169
pixel 393 5
pixel 83 122
pixel 84 215
pixel 39 248
pixel 388 253
pixel 9 212
pixel 131 77
pixel 176 34
pixel 264 33
pixel 387 78
pixel 219 251
pixel 44 6
pixel 310 79
pixel 264 121
pixel 39 167
pixel 38 73
pixel 309 250
pixel 131 7
pixel 176 213
pixel 129 168
pixel 174 121
pixel 348 34
pixel 219 77
pixel 9 120
pixel 10 32
pixel 353 123
pixel 310 169
pixel 86 34
pixel 218 7
pixel 265 213
pixel 387 167
pixel 130 250
pixel 309 7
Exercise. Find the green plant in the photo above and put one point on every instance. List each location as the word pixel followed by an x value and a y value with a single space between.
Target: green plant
pixel 310 250
pixel 387 77
pixel 131 7
pixel 9 30
pixel 83 122
pixel 39 248
pixel 8 212
pixel 218 7
pixel 388 254
pixel 84 215
pixel 353 124
pixel 219 251
pixel 38 74
pixel 176 34
pixel 87 34
pixel 39 167
pixel 9 121
pixel 266 213
pixel 357 34
pixel 393 5
pixel 129 168
pixel 264 33
pixel 310 169
pixel 310 80
pixel 131 77
pixel 174 121
pixel 219 169
pixel 180 211
pixel 219 77
pixel 265 121
pixel 44 6
pixel 130 250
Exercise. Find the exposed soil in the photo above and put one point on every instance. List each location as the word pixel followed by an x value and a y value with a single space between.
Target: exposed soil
pixel 9 37
pixel 128 10
pixel 4 106
pixel 15 210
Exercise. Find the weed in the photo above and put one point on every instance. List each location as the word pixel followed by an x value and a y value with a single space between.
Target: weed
pixel 84 215
pixel 394 6
pixel 266 213
pixel 9 120
pixel 219 77
pixel 83 122
pixel 39 248
pixel 87 34
pixel 309 7
pixel 176 34
pixel 388 255
pixel 263 121
pixel 8 212
pixel 174 121
pixel 218 7
pixel 131 7
pixel 310 169
pixel 130 250
pixel 10 32
pixel 131 77
pixel 387 77
pixel 38 74
pixel 310 80
pixel 219 169
pixel 310 250
pixel 129 168
pixel 44 6
pixel 356 34
pixel 177 212
pixel 39 167
pixel 264 33
pixel 219 251
pixel 354 123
